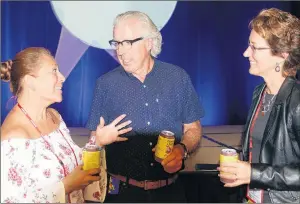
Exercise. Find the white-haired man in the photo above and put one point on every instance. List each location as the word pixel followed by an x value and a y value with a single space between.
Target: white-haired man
pixel 155 96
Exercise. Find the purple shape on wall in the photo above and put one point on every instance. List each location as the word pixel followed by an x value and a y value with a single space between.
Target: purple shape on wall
pixel 112 53
pixel 69 51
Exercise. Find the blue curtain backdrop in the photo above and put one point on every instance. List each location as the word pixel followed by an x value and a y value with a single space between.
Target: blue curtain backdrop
pixel 207 39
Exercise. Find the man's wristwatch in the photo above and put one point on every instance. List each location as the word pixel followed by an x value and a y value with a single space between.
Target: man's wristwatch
pixel 185 156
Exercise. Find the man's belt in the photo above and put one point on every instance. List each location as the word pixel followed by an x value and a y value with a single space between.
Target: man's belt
pixel 146 184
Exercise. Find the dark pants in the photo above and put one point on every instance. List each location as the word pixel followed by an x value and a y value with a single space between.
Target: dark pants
pixel 173 193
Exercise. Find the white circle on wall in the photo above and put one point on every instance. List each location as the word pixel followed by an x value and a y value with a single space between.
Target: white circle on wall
pixel 92 21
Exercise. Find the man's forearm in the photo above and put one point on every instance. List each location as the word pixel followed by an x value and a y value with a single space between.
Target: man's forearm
pixel 191 139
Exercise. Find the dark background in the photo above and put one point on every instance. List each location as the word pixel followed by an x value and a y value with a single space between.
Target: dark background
pixel 207 39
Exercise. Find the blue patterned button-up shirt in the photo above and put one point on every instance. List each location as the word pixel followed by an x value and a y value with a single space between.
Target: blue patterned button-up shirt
pixel 165 101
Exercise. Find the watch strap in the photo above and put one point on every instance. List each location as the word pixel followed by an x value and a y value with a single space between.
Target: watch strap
pixel 185 150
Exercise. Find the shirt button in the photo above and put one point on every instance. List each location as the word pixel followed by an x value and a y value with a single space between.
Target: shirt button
pixel 148 123
pixel 150 143
pixel 156 100
pixel 151 164
pixel 144 86
pixel 146 104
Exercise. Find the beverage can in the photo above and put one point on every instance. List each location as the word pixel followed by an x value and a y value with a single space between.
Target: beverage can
pixel 164 145
pixel 91 157
pixel 227 155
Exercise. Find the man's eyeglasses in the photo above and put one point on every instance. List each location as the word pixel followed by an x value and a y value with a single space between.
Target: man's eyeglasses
pixel 127 44
pixel 254 49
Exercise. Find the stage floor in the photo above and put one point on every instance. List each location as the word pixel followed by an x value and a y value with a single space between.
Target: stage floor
pixel 208 153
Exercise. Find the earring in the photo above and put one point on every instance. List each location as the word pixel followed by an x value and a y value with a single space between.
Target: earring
pixel 277 68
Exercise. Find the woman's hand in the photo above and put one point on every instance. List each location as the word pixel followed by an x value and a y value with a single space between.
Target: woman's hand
pixel 107 134
pixel 239 171
pixel 80 178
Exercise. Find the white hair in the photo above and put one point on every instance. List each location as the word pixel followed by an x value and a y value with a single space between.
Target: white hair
pixel 152 30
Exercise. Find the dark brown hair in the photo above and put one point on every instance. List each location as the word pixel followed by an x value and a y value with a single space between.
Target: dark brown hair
pixel 282 32
pixel 26 62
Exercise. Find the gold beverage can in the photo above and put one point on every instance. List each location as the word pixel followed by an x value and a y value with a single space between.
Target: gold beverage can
pixel 164 145
pixel 91 157
pixel 228 155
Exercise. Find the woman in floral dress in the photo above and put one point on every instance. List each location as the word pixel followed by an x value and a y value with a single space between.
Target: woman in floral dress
pixel 39 160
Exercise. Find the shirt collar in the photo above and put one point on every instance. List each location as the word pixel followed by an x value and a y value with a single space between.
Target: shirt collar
pixel 131 76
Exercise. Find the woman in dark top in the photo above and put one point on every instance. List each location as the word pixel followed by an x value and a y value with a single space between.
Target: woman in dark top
pixel 270 169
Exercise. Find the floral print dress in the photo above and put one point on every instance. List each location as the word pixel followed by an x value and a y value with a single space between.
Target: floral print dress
pixel 31 172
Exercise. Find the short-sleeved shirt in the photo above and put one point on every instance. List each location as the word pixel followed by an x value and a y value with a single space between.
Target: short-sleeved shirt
pixel 164 101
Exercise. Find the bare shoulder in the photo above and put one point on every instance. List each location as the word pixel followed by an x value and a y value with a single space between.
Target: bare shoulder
pixel 13 131
pixel 14 126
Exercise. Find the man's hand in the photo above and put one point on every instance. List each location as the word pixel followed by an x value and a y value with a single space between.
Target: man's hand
pixel 107 134
pixel 173 162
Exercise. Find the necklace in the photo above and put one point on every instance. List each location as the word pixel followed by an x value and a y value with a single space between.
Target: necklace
pixel 266 106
